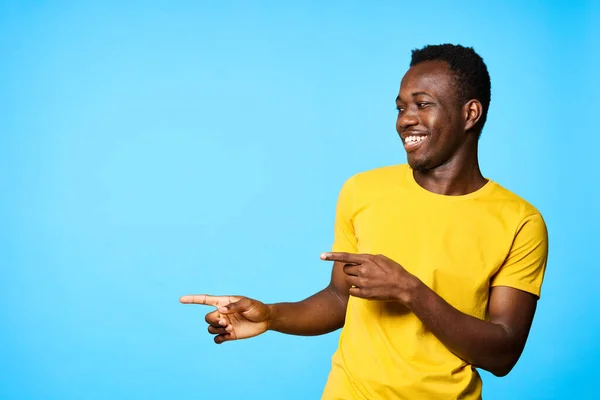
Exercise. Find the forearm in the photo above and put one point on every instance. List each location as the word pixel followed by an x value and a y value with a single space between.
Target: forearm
pixel 482 343
pixel 321 313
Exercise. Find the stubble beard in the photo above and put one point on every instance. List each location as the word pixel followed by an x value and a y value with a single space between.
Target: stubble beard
pixel 420 164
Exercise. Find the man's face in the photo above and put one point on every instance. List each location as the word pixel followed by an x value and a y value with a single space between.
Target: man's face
pixel 429 116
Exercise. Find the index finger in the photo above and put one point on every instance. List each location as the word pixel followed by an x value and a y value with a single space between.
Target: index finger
pixel 347 258
pixel 206 299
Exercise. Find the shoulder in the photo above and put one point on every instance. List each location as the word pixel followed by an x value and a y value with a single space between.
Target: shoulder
pixel 516 208
pixel 379 177
pixel 363 188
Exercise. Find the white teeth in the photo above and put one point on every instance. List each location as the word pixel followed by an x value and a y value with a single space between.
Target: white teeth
pixel 413 139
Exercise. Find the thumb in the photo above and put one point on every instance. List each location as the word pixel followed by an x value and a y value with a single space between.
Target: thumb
pixel 239 306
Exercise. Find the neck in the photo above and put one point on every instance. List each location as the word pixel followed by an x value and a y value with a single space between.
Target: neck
pixel 456 177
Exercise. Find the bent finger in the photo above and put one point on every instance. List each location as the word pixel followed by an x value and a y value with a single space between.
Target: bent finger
pixel 223 338
pixel 357 292
pixel 216 319
pixel 352 281
pixel 351 269
pixel 220 331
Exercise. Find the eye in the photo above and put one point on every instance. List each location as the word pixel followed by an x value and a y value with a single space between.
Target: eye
pixel 422 104
pixel 400 109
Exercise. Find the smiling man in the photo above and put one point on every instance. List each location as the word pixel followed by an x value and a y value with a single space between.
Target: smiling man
pixel 436 269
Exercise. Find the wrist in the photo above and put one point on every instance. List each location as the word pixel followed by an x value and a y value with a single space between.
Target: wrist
pixel 272 320
pixel 411 291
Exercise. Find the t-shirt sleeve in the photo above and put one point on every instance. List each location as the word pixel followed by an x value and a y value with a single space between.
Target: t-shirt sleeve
pixel 344 238
pixel 525 266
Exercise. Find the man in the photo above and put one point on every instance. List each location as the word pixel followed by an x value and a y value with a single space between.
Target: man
pixel 436 269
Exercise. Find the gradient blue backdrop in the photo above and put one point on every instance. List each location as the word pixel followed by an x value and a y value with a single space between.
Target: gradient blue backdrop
pixel 153 149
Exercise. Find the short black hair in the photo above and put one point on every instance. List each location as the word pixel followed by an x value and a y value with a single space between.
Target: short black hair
pixel 472 77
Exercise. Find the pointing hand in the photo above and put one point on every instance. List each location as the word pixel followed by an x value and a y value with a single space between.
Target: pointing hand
pixel 236 317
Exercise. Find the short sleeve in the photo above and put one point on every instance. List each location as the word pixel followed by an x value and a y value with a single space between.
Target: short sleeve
pixel 525 266
pixel 344 239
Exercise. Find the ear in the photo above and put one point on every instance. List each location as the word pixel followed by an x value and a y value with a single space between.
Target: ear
pixel 472 113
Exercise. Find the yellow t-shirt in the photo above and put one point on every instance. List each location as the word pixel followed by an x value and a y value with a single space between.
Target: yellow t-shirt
pixel 459 246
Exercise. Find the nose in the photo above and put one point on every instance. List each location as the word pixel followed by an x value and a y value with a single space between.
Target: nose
pixel 406 119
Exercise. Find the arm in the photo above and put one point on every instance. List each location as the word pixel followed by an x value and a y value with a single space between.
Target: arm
pixel 321 313
pixel 493 345
pixel 239 317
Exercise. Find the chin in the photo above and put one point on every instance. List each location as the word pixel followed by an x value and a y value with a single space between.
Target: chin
pixel 419 164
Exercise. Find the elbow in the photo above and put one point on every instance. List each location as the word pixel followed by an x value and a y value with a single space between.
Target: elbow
pixel 501 371
pixel 506 356
pixel 502 367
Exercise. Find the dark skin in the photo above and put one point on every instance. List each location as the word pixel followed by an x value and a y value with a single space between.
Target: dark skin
pixel 444 162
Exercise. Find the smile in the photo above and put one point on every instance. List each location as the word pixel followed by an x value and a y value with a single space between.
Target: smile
pixel 412 142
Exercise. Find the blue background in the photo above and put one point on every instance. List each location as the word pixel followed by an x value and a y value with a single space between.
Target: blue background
pixel 152 149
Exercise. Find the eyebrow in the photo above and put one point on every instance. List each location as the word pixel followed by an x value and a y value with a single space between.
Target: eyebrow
pixel 415 94
pixel 421 94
